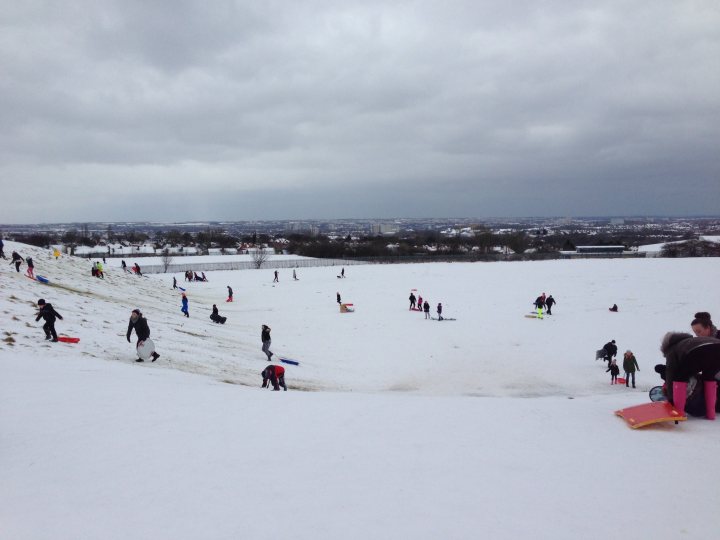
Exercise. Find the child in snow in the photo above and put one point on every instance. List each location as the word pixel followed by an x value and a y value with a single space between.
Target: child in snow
pixel 230 294
pixel 216 317
pixel 184 307
pixel 276 280
pixel 295 275
pixel 266 341
pixel 275 375
pixel 49 314
pixel 30 267
pixel 426 309
pixel 439 312
pixel 614 372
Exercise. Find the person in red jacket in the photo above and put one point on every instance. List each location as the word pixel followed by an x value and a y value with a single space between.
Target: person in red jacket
pixel 275 375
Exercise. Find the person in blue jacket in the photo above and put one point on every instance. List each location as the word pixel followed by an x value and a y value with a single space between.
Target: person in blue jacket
pixel 184 307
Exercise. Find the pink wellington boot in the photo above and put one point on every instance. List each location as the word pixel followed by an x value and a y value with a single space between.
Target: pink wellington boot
pixel 710 388
pixel 679 396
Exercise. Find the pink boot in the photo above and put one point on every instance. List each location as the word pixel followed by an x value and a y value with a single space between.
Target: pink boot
pixel 710 388
pixel 679 396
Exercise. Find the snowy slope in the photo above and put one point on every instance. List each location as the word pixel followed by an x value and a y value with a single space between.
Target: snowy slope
pixel 397 443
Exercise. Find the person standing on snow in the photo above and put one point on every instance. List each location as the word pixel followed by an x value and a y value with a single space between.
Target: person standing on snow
pixel 295 275
pixel 275 375
pixel 184 307
pixel 230 294
pixel 426 309
pixel 31 267
pixel 142 331
pixel 439 311
pixel 276 280
pixel 412 301
pixel 49 314
pixel 549 303
pixel 539 304
pixel 17 260
pixel 174 282
pixel 266 341
pixel 337 295
pixel 342 273
pixel 630 365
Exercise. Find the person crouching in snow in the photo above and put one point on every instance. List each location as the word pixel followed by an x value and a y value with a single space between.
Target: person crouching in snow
pixel 184 307
pixel 142 331
pixel 614 372
pixel 686 356
pixel 49 314
pixel 275 375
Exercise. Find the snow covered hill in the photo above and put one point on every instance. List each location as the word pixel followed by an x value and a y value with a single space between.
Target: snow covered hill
pixel 409 429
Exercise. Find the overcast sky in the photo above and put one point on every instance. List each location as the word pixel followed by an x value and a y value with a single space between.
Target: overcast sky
pixel 173 110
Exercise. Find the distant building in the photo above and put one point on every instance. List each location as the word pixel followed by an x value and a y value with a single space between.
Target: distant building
pixel 600 252
pixel 384 228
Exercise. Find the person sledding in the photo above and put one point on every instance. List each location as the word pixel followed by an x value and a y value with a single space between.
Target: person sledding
pixel 687 356
pixel 274 375
pixel 142 331
pixel 216 317
pixel 50 315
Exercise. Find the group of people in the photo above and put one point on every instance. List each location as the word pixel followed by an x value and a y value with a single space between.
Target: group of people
pixel 692 367
pixel 630 365
pixel 98 270
pixel 193 276
pixel 543 302
pixel 135 268
pixel 417 304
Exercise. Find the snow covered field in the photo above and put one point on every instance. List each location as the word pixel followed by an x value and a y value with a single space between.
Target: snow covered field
pixel 493 425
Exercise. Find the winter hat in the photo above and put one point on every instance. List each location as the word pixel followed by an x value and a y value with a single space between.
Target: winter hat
pixel 613 341
pixel 41 302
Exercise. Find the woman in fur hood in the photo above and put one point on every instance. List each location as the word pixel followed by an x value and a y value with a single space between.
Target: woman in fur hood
pixel 686 356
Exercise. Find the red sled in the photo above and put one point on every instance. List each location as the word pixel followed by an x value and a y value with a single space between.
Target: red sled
pixel 620 380
pixel 650 413
pixel 67 339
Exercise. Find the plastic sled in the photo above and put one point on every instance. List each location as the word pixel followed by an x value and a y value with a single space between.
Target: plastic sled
pixel 68 339
pixel 620 380
pixel 532 317
pixel 42 279
pixel 145 350
pixel 180 288
pixel 346 308
pixel 290 361
pixel 650 413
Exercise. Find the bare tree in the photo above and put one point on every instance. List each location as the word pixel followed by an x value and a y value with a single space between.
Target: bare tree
pixel 259 256
pixel 166 259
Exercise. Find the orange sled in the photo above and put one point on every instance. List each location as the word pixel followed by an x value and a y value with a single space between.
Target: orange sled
pixel 650 413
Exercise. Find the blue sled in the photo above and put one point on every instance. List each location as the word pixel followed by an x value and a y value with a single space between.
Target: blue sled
pixel 289 361
pixel 183 290
pixel 42 279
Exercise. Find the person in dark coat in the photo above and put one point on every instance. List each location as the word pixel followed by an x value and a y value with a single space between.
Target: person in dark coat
pixel 610 351
pixel 275 375
pixel 136 268
pixel 230 294
pixel 266 341
pixel 174 282
pixel 142 331
pixel 49 314
pixel 702 325
pixel 630 366
pixel 439 312
pixel 549 303
pixel 124 265
pixel 426 309
pixel 337 295
pixel 412 301
pixel 216 317
pixel 614 372
pixel 614 308
pixel 687 356
pixel 276 279
pixel 17 260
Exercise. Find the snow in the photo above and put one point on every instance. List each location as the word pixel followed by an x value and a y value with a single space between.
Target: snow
pixel 493 425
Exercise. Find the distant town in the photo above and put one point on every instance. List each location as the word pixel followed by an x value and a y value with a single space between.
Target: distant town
pixel 396 239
